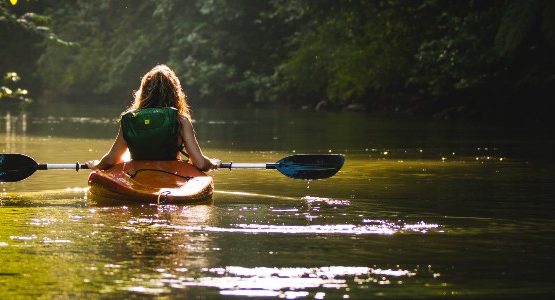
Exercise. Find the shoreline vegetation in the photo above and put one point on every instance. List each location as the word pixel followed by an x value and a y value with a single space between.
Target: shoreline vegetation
pixel 443 59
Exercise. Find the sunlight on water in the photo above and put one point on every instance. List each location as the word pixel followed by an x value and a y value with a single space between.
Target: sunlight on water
pixel 256 195
pixel 288 283
pixel 23 238
pixel 55 241
pixel 327 201
pixel 72 120
pixel 379 227
pixel 42 221
pixel 65 196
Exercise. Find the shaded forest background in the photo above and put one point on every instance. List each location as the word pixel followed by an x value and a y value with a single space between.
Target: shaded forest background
pixel 485 59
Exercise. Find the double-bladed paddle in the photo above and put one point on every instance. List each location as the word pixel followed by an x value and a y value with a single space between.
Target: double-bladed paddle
pixel 16 167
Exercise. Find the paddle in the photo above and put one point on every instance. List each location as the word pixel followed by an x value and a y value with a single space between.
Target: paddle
pixel 16 167
pixel 299 166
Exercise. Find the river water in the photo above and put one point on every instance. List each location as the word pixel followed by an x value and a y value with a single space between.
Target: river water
pixel 421 209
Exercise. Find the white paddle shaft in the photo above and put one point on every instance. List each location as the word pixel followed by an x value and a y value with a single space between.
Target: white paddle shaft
pixel 247 165
pixel 75 166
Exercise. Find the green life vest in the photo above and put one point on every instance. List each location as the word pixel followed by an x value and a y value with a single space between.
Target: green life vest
pixel 152 133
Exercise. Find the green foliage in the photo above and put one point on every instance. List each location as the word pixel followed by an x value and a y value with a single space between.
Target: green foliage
pixel 456 53
pixel 385 54
pixel 8 90
pixel 32 22
pixel 113 45
pixel 20 24
pixel 351 51
pixel 525 41
pixel 228 50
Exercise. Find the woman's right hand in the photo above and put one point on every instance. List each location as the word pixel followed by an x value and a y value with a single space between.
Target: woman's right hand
pixel 215 163
pixel 92 164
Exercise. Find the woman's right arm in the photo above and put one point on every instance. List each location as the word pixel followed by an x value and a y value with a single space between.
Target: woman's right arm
pixel 192 147
pixel 114 156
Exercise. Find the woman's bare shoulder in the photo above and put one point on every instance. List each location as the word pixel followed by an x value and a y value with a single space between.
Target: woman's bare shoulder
pixel 185 120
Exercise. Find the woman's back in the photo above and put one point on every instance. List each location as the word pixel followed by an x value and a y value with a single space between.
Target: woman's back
pixel 152 133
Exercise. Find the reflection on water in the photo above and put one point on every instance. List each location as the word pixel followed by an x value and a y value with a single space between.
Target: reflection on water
pixel 380 227
pixel 11 125
pixel 289 283
pixel 420 209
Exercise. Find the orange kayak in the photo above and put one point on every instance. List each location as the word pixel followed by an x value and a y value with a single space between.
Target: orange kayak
pixel 161 182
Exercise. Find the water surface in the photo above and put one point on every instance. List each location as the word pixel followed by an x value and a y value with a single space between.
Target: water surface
pixel 421 209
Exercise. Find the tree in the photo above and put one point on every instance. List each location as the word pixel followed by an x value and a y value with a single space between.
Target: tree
pixel 424 56
pixel 33 28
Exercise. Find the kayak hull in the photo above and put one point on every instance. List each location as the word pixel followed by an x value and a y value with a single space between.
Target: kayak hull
pixel 145 182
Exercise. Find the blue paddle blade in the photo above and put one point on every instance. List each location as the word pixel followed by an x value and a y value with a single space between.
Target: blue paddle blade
pixel 310 166
pixel 16 167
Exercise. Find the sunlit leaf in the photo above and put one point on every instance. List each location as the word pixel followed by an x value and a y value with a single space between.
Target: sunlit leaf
pixel 13 2
pixel 12 76
pixel 22 92
pixel 5 90
pixel 35 18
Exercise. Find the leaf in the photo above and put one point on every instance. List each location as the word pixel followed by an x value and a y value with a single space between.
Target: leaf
pixel 5 90
pixel 13 2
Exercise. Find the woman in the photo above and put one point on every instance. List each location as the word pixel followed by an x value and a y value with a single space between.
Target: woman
pixel 157 126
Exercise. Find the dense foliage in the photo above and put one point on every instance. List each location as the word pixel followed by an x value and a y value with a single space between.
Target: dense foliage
pixel 428 56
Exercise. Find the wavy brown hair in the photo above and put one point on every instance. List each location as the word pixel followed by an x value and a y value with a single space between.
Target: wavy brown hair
pixel 160 87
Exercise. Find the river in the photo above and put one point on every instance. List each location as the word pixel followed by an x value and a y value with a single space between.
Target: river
pixel 421 209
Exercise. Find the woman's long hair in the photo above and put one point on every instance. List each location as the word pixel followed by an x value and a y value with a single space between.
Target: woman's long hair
pixel 160 87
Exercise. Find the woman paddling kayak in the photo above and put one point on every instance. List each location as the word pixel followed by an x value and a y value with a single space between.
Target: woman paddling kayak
pixel 157 126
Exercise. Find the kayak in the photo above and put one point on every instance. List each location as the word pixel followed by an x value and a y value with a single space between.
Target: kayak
pixel 159 182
